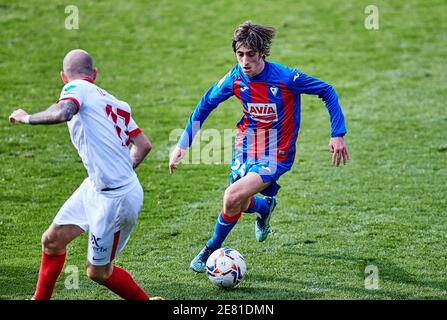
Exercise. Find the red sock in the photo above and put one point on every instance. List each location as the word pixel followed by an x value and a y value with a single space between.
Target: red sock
pixel 50 269
pixel 122 283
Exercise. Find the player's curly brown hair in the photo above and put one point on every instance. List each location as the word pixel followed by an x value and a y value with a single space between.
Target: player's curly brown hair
pixel 254 36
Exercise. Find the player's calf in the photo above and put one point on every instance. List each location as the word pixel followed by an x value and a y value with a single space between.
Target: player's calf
pixel 117 280
pixel 54 242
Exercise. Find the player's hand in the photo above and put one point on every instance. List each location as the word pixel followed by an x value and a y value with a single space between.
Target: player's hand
pixel 18 116
pixel 339 151
pixel 176 156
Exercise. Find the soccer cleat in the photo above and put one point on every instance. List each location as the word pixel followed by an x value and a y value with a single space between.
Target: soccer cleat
pixel 262 225
pixel 198 264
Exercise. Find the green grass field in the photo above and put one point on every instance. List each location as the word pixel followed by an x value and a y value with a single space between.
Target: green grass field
pixel 386 208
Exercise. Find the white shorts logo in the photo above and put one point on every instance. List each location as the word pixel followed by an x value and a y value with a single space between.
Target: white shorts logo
pixel 263 112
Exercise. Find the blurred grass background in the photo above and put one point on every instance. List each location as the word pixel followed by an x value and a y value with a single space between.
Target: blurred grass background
pixel 386 208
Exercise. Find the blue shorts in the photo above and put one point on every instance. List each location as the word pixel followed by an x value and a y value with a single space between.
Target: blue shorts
pixel 269 171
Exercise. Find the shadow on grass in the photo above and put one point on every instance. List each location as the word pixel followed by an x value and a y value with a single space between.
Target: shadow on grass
pixel 248 290
pixel 256 288
pixel 194 286
pixel 388 271
pixel 17 282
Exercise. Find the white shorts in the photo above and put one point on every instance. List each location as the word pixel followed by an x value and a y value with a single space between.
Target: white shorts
pixel 109 218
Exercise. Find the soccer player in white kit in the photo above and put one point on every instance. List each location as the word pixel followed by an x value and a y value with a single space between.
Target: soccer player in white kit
pixel 108 201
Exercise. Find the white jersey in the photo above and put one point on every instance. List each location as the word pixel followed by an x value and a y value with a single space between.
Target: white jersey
pixel 101 132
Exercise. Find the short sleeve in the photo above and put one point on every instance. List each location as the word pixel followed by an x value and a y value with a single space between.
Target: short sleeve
pixel 73 91
pixel 133 128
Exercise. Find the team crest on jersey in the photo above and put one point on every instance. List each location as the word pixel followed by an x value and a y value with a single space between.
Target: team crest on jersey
pixel 263 112
pixel 274 90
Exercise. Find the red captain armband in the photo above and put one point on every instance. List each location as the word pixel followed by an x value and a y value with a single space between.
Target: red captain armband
pixel 135 132
pixel 72 99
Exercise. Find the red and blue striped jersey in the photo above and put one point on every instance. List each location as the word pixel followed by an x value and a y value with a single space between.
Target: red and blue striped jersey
pixel 271 116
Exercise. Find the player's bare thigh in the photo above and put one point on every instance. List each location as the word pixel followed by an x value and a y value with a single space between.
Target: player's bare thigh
pixel 237 196
pixel 56 238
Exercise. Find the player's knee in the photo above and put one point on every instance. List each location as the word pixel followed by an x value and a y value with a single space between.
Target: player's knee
pixel 96 274
pixel 50 242
pixel 231 198
pixel 232 201
pixel 44 240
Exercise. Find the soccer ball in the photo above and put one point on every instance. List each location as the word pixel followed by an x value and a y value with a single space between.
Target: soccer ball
pixel 226 267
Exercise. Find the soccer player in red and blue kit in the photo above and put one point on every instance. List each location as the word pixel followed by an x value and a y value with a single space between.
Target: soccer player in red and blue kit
pixel 264 146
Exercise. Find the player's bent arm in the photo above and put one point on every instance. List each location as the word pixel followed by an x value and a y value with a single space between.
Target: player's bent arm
pixel 59 112
pixel 141 146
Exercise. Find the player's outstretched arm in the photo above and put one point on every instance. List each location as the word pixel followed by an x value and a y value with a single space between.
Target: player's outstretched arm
pixel 141 146
pixel 176 156
pixel 57 113
pixel 339 151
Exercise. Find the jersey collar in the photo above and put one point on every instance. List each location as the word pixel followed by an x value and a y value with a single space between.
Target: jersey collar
pixel 259 77
pixel 87 79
